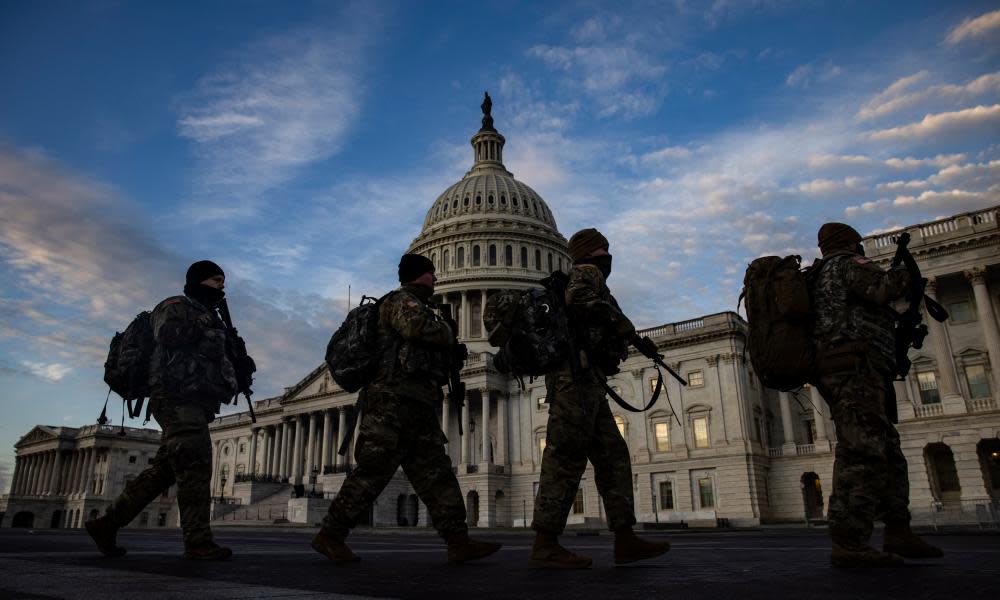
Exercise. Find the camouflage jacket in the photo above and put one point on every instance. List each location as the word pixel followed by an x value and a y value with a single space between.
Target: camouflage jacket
pixel 189 362
pixel 851 298
pixel 422 342
pixel 603 330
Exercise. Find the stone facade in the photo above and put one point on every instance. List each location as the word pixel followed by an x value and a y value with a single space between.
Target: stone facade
pixel 64 476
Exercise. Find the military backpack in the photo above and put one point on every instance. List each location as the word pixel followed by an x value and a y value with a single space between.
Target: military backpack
pixel 354 352
pixel 529 327
pixel 780 317
pixel 126 370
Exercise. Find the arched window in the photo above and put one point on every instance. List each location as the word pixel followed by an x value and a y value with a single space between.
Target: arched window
pixel 550 262
pixel 493 255
pixel 460 258
pixel 508 255
pixel 464 202
pixel 444 260
pixel 524 257
pixel 477 319
pixel 479 200
pixel 475 256
pixel 434 259
pixel 538 260
pixel 560 263
pixel 514 199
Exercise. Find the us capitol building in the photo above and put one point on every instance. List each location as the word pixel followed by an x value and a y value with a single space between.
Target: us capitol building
pixel 733 454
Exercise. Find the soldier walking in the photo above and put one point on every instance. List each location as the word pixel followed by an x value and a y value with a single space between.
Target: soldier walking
pixel 191 375
pixel 400 422
pixel 581 426
pixel 854 328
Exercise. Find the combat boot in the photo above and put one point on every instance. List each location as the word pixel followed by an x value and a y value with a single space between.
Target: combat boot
pixel 862 556
pixel 104 533
pixel 546 553
pixel 207 551
pixel 333 548
pixel 629 547
pixel 900 540
pixel 462 548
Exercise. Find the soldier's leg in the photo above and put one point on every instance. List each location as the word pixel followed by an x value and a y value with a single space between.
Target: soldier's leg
pixel 428 468
pixel 146 487
pixel 378 454
pixel 567 438
pixel 860 463
pixel 609 454
pixel 189 447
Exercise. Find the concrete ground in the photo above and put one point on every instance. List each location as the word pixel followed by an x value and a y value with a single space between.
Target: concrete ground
pixel 278 563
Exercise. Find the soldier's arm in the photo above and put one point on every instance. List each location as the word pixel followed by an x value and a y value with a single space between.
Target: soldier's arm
pixel 583 296
pixel 866 280
pixel 415 322
pixel 175 324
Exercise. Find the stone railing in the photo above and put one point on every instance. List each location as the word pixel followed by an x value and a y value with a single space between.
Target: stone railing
pixel 259 478
pixel 802 449
pixel 774 452
pixel 969 222
pixel 928 410
pixel 345 468
pixel 977 405
pixel 723 319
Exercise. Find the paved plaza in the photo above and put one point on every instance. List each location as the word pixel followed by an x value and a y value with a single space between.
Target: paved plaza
pixel 278 563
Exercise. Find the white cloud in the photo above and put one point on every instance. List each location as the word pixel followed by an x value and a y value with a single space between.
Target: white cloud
pixel 666 154
pixel 980 26
pixel 51 372
pixel 889 101
pixel 941 160
pixel 949 201
pixel 978 119
pixel 806 75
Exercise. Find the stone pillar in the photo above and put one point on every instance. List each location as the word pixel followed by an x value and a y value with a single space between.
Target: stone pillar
pixel 466 324
pixel 819 416
pixel 501 457
pixel 327 433
pixel 15 479
pixel 951 399
pixel 465 433
pixel 54 476
pixel 445 410
pixel 216 466
pixel 88 471
pixel 904 406
pixel 482 309
pixel 284 435
pixel 45 474
pixel 485 395
pixel 268 451
pixel 74 482
pixel 987 322
pixel 357 432
pixel 252 467
pixel 311 446
pixel 788 436
pixel 33 475
pixel 297 451
pixel 277 449
pixel 341 426
pixel 70 473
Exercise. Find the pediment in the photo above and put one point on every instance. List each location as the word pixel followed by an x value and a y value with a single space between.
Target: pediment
pixel 318 381
pixel 40 433
pixel 971 351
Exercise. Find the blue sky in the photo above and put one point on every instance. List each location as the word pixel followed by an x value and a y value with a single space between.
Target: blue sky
pixel 300 144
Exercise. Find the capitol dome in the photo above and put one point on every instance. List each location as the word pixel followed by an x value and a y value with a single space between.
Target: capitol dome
pixel 488 232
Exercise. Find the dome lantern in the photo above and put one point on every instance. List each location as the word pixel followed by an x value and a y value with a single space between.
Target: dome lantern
pixel 487 144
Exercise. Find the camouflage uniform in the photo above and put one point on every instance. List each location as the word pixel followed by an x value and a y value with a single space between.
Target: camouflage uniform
pixel 854 329
pixel 581 425
pixel 400 422
pixel 190 376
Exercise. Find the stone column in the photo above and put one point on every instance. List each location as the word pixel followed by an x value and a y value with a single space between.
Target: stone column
pixel 283 435
pixel 987 322
pixel 15 479
pixel 74 486
pixel 276 450
pixel 88 471
pixel 54 477
pixel 297 449
pixel 33 478
pixel 465 433
pixel 445 411
pixel 466 324
pixel 482 309
pixel 70 474
pixel 485 395
pixel 788 447
pixel 357 432
pixel 951 399
pixel 904 406
pixel 252 467
pixel 819 416
pixel 268 451
pixel 311 446
pixel 216 466
pixel 43 477
pixel 341 426
pixel 501 457
pixel 327 433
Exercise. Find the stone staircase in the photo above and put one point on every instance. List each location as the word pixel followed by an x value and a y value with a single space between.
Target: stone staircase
pixel 270 508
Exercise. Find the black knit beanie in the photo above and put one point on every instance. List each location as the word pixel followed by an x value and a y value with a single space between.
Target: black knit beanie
pixel 412 266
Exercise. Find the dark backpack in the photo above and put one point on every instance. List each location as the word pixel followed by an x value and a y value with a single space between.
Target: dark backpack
pixel 529 327
pixel 780 317
pixel 126 370
pixel 355 350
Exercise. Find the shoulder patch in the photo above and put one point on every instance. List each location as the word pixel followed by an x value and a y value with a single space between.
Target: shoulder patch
pixel 413 304
pixel 169 301
pixel 861 260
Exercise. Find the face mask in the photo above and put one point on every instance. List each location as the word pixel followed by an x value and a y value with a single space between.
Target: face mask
pixel 209 296
pixel 601 262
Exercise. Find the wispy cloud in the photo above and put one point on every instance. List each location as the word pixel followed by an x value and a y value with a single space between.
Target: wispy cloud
pixel 51 372
pixel 978 27
pixel 805 76
pixel 281 104
pixel 891 100
pixel 984 119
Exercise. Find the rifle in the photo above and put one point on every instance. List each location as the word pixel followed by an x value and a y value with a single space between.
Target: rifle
pixel 647 348
pixel 243 364
pixel 456 387
pixel 910 328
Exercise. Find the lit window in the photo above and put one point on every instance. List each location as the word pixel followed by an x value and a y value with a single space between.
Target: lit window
pixel 666 495
pixel 540 401
pixel 959 312
pixel 975 375
pixel 927 382
pixel 620 422
pixel 578 502
pixel 662 431
pixel 705 492
pixel 700 426
pixel 541 446
pixel 696 379
pixel 652 385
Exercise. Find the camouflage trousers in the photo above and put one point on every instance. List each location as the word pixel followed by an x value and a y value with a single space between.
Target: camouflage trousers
pixel 399 431
pixel 184 458
pixel 869 471
pixel 581 428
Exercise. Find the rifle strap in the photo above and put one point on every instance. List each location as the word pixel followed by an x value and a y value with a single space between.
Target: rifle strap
pixel 352 422
pixel 622 403
pixel 104 411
